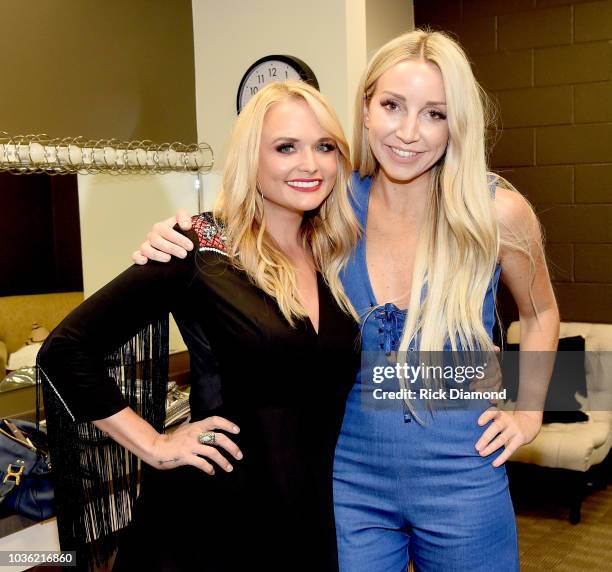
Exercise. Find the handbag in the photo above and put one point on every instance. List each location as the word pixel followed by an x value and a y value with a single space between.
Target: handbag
pixel 25 470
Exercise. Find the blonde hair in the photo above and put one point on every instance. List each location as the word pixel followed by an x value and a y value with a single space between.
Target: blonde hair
pixel 459 242
pixel 331 231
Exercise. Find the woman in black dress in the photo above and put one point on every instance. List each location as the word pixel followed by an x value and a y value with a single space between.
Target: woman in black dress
pixel 273 346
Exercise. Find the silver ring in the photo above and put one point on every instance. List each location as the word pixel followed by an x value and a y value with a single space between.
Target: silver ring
pixel 207 438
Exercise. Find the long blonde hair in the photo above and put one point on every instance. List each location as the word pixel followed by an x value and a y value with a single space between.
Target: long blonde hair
pixel 459 242
pixel 331 231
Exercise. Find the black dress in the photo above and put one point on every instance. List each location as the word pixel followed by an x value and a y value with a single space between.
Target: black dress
pixel 285 387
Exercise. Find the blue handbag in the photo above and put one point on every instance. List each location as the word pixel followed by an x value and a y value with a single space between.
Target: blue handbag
pixel 25 470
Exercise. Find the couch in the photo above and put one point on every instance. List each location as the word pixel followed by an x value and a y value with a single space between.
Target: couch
pixel 17 314
pixel 578 450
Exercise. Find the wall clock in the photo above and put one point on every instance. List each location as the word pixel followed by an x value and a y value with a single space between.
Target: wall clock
pixel 269 69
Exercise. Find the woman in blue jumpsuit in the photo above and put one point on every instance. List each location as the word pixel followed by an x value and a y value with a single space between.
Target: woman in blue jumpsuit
pixel 402 487
pixel 409 484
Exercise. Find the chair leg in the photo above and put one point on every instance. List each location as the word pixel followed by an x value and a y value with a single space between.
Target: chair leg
pixel 576 489
pixel 575 511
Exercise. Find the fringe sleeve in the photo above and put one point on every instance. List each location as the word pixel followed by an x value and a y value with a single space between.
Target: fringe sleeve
pixel 96 480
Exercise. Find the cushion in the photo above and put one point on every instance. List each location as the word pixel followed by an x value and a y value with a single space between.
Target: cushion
pixel 23 357
pixel 568 379
pixel 576 447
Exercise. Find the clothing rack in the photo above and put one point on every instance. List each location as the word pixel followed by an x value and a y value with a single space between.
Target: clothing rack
pixel 31 154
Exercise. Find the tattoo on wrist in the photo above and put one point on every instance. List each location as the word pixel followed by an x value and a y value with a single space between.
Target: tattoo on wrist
pixel 162 461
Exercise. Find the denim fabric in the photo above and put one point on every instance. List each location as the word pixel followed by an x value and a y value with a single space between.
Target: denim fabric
pixel 404 489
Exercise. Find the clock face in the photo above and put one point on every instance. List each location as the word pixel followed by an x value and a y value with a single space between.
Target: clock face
pixel 269 69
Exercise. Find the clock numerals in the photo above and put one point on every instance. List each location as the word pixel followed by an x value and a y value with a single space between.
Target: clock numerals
pixel 270 69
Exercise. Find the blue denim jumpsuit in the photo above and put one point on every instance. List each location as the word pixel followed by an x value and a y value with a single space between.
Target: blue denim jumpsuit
pixel 404 489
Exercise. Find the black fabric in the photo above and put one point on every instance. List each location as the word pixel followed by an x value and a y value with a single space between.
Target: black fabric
pixel 564 416
pixel 95 479
pixel 285 387
pixel 568 378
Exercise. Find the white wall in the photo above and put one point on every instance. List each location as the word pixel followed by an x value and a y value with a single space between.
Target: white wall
pixel 230 35
pixel 333 37
pixel 116 212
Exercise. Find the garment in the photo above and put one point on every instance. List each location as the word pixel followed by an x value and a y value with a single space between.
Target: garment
pixel 408 489
pixel 284 387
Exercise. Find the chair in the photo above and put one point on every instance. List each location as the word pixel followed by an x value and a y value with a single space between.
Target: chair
pixel 578 450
